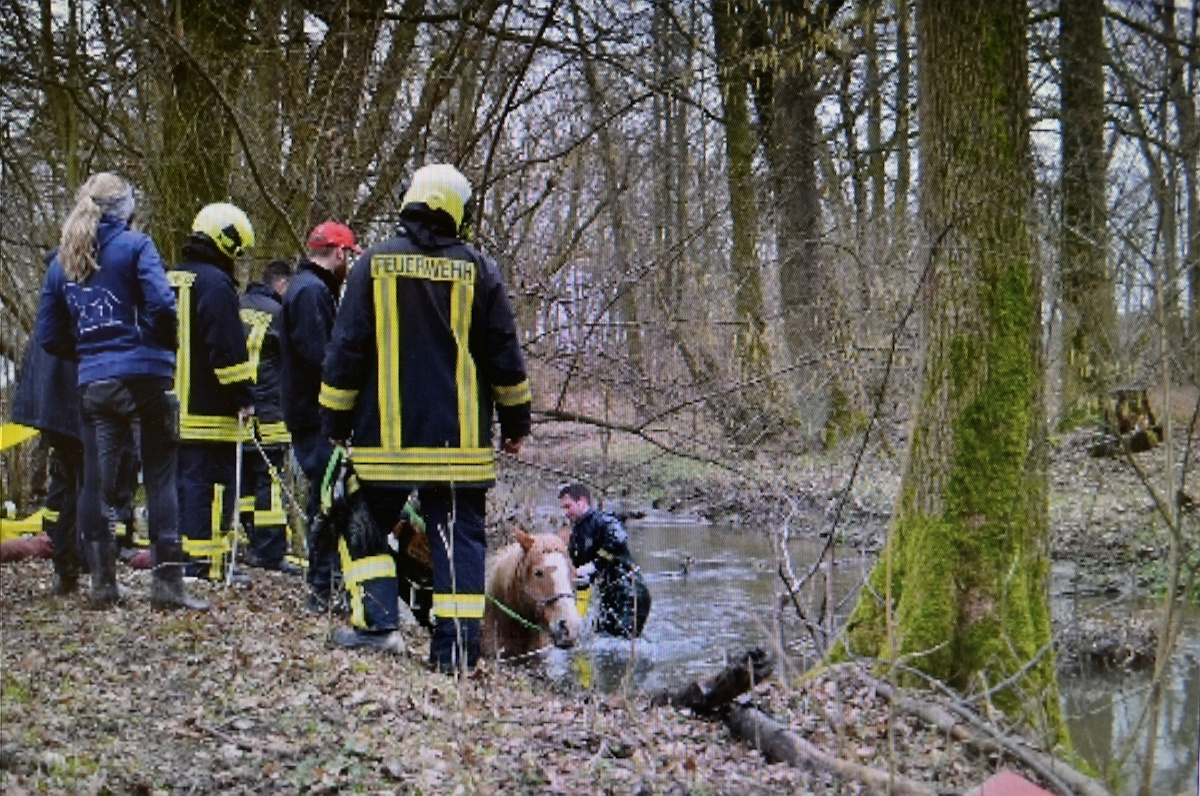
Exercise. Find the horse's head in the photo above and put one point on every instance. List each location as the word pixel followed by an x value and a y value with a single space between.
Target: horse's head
pixel 547 578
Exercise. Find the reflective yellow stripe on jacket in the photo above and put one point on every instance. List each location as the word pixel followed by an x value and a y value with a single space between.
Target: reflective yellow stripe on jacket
pixel 513 395
pixel 392 460
pixel 193 427
pixel 259 322
pixel 242 371
pixel 336 399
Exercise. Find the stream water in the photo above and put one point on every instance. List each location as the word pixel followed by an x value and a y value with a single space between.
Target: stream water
pixel 713 590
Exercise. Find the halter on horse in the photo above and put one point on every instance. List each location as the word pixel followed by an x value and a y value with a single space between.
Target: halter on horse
pixel 530 597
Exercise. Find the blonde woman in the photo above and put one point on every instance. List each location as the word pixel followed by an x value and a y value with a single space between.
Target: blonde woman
pixel 106 303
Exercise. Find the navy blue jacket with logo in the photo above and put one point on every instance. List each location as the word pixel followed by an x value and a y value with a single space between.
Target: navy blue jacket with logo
pixel 120 321
pixel 424 351
pixel 214 376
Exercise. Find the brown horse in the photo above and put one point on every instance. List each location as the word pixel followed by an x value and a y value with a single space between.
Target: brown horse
pixel 530 597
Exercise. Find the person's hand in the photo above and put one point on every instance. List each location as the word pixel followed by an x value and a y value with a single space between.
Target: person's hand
pixel 246 412
pixel 583 576
pixel 512 446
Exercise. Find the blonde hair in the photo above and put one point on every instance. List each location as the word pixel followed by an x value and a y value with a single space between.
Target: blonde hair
pixel 103 193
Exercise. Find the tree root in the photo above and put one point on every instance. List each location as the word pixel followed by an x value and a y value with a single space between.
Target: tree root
pixel 778 743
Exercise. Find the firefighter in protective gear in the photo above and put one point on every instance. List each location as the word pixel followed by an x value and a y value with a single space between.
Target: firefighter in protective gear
pixel 305 326
pixel 263 516
pixel 424 350
pixel 213 379
pixel 599 548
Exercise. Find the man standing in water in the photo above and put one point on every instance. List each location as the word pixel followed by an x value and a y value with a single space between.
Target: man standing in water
pixel 599 548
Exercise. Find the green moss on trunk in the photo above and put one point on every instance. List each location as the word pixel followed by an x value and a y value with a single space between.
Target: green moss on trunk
pixel 965 570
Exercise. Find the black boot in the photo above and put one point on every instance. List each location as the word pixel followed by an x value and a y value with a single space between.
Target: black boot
pixel 454 646
pixel 353 638
pixel 167 589
pixel 102 557
pixel 65 583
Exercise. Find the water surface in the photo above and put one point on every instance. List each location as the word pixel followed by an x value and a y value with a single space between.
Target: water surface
pixel 713 590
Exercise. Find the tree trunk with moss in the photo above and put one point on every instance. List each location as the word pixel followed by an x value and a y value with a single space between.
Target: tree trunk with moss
pixel 1088 297
pixel 961 590
pixel 753 358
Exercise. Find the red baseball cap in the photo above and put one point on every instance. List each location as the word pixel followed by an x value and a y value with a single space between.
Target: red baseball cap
pixel 331 234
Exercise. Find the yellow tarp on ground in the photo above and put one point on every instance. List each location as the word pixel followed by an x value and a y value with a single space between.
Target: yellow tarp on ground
pixel 14 434
pixel 11 529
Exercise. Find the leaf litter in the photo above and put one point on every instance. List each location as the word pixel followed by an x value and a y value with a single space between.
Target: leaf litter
pixel 248 699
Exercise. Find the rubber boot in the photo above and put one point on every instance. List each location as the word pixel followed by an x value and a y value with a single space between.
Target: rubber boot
pixel 102 556
pixel 65 583
pixel 353 638
pixel 167 589
pixel 446 654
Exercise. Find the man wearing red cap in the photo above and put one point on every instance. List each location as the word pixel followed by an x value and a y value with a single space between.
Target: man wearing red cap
pixel 306 323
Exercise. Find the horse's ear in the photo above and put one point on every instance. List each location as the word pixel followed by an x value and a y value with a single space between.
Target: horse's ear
pixel 525 540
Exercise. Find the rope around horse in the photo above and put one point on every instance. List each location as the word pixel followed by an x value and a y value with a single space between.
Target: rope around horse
pixel 514 615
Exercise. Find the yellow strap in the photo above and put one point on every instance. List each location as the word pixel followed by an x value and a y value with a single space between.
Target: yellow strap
pixel 458 606
pixel 12 529
pixel 337 399
pixel 513 395
pixel 14 434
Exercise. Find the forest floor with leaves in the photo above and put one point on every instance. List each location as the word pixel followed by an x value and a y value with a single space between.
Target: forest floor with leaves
pixel 249 698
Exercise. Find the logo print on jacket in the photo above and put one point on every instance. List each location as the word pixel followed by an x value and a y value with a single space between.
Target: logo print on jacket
pixel 94 307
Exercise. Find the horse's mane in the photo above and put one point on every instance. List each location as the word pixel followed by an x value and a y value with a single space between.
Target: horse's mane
pixel 502 572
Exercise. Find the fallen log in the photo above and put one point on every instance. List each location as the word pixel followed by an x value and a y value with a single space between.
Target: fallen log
pixel 716 693
pixel 779 744
pixel 715 697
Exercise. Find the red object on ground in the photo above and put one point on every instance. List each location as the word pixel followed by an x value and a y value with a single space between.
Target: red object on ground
pixel 26 547
pixel 1008 783
pixel 141 560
